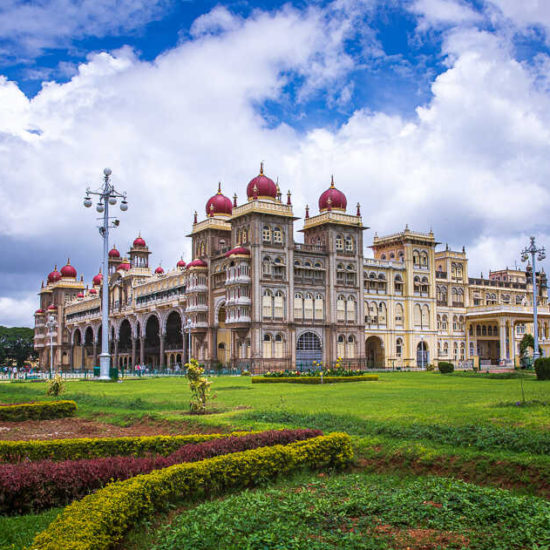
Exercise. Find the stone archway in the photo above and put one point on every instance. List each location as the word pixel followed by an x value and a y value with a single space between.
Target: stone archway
pixel 124 343
pixel 308 349
pixel 374 350
pixel 223 337
pixel 422 355
pixel 152 341
pixel 77 349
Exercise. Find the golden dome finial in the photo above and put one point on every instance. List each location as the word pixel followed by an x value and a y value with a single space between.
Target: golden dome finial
pixel 262 168
pixel 332 181
pixel 219 188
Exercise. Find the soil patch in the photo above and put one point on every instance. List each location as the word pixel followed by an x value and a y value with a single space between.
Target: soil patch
pixel 71 428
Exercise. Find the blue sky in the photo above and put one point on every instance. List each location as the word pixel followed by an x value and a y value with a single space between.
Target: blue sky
pixel 429 112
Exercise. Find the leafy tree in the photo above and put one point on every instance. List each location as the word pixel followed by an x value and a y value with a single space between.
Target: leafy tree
pixel 16 345
pixel 199 386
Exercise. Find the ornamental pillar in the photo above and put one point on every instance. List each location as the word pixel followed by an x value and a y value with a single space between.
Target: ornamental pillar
pixel 502 338
pixel 133 352
pixel 94 354
pixel 71 358
pixel 142 350
pixel 115 354
pixel 82 356
pixel 162 336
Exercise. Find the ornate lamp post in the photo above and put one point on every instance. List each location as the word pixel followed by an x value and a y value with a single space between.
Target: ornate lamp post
pixel 50 324
pixel 531 250
pixel 107 197
pixel 188 327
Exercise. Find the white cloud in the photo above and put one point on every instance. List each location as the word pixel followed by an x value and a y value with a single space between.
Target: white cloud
pixel 435 13
pixel 17 312
pixel 526 13
pixel 472 164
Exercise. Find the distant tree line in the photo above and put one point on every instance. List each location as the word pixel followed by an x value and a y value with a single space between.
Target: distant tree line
pixel 16 346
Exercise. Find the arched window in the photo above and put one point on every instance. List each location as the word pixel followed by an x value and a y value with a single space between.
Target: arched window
pixel 245 236
pixel 341 308
pixel 373 313
pixel 399 347
pixel 438 319
pixel 298 305
pixel 401 255
pixel 417 286
pixel 455 323
pixel 416 258
pixel 277 235
pixel 445 349
pixel 350 348
pixel 350 314
pixel 382 314
pixel 461 323
pixel 349 243
pixel 444 322
pixel 455 351
pixel 424 287
pixel 266 266
pixel 424 260
pixel 267 346
pixel 462 350
pixel 340 274
pixel 339 243
pixel 398 285
pixel 319 307
pixel 425 316
pixel 266 234
pixel 279 346
pixel 382 256
pixel 308 306
pixel 279 305
pixel 267 304
pixel 341 346
pixel 417 315
pixel 398 315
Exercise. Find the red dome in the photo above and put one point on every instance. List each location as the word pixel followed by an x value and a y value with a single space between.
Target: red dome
pixel 54 276
pixel 39 311
pixel 180 264
pixel 241 250
pixel 114 253
pixel 159 270
pixel 124 266
pixel 138 241
pixel 261 186
pixel 219 204
pixel 93 291
pixel 68 270
pixel 98 279
pixel 332 199
pixel 80 295
pixel 52 308
pixel 197 263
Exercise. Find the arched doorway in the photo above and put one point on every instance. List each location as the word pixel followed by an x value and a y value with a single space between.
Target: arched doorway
pixel 374 351
pixel 152 341
pixel 422 355
pixel 308 350
pixel 174 338
pixel 223 338
pixel 88 347
pixel 124 343
pixel 78 352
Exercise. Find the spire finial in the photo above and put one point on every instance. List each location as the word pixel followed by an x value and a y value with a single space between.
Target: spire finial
pixel 195 217
pixel 262 168
pixel 358 209
pixel 307 211
pixel 68 261
pixel 288 201
pixel 235 199
pixel 219 188
pixel 332 181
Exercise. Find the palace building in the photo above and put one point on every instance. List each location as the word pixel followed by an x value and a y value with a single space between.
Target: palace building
pixel 254 298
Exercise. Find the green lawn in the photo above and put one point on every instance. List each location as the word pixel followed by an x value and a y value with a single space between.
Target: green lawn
pixel 396 397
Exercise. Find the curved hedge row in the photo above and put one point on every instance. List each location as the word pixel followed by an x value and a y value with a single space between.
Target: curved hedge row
pixel 99 521
pixel 75 449
pixel 314 379
pixel 32 486
pixel 41 410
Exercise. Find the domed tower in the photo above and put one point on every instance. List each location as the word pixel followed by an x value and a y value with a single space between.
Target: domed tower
pixel 114 260
pixel 332 199
pixel 139 253
pixel 261 187
pixel 219 205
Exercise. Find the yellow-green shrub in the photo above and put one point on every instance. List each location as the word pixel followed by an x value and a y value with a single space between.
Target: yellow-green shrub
pixel 41 410
pixel 99 521
pixel 314 379
pixel 75 449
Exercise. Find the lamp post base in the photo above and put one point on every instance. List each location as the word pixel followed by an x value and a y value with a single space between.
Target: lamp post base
pixel 104 366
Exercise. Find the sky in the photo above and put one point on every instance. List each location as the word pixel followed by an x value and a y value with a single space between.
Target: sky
pixel 431 113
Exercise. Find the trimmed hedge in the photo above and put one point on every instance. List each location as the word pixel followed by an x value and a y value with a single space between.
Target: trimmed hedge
pixel 314 379
pixel 445 367
pixel 99 521
pixel 542 368
pixel 75 449
pixel 41 410
pixel 33 486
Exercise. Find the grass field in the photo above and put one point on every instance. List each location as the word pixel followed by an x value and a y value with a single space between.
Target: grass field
pixel 473 428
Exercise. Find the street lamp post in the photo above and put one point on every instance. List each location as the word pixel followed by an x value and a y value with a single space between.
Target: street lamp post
pixel 107 196
pixel 189 326
pixel 532 250
pixel 50 324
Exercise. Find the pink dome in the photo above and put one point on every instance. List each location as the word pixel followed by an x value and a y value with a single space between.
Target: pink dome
pixel 39 311
pixel 54 276
pixel 114 253
pixel 68 270
pixel 124 266
pixel 332 199
pixel 197 263
pixel 261 186
pixel 219 204
pixel 52 307
pixel 93 291
pixel 159 270
pixel 80 295
pixel 139 242
pixel 98 279
pixel 239 250
pixel 180 264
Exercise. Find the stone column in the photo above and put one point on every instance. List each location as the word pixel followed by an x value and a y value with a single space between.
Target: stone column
pixel 142 350
pixel 82 356
pixel 162 335
pixel 115 354
pixel 133 353
pixel 71 358
pixel 502 334
pixel 512 341
pixel 94 354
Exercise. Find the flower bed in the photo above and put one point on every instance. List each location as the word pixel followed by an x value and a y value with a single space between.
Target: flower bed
pixel 100 520
pixel 75 449
pixel 33 486
pixel 339 372
pixel 313 379
pixel 41 410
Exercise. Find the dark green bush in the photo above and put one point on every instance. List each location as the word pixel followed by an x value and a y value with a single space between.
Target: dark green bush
pixel 314 379
pixel 542 368
pixel 445 367
pixel 42 410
